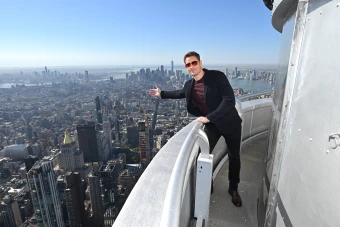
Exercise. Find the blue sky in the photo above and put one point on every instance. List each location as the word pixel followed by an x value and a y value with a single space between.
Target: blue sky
pixel 135 32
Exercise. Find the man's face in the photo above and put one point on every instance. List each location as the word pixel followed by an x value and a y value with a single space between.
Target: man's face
pixel 193 66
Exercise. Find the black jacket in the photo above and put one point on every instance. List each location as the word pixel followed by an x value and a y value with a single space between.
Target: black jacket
pixel 219 97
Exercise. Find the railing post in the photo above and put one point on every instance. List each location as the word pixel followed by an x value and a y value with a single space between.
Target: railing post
pixel 203 180
pixel 200 223
pixel 173 200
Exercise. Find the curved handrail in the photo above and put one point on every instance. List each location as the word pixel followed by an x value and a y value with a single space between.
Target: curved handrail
pixel 174 195
pixel 247 96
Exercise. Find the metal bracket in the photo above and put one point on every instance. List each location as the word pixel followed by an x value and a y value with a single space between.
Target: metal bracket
pixel 334 140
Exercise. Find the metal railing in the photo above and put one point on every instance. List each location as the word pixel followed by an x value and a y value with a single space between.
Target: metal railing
pixel 247 97
pixel 174 196
pixel 175 192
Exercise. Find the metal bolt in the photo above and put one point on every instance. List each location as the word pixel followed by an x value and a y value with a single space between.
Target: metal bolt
pixel 320 12
pixel 299 130
pixel 327 151
pixel 337 5
pixel 310 139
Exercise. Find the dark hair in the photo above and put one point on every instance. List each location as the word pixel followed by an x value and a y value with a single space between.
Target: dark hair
pixel 190 54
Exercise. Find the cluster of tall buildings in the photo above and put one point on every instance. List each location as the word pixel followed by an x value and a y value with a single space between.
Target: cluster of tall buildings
pixel 74 188
pixel 42 181
pixel 153 75
pixel 251 75
pixel 81 183
pixel 77 178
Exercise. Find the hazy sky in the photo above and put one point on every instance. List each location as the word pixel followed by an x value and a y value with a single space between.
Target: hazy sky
pixel 135 32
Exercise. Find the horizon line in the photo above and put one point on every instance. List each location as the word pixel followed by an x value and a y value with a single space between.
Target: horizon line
pixel 130 65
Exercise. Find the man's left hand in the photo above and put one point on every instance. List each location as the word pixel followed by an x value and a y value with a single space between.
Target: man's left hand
pixel 202 119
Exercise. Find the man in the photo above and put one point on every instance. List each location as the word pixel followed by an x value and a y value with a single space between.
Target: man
pixel 210 97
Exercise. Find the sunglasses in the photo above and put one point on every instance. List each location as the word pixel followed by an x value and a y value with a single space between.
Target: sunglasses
pixel 194 63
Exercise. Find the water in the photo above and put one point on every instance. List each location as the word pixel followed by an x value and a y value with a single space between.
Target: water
pixel 9 85
pixel 254 85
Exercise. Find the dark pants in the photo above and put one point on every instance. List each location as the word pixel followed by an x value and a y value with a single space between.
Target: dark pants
pixel 233 142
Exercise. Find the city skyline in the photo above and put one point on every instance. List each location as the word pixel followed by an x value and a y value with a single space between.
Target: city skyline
pixel 152 33
pixel 82 68
pixel 83 140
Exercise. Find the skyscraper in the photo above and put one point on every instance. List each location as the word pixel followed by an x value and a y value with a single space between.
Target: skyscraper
pixel 172 67
pixel 42 181
pixel 145 141
pixel 9 212
pixel 148 142
pixel 142 141
pixel 162 70
pixel 87 76
pixel 97 101
pixel 117 131
pixel 96 195
pixel 132 136
pixel 75 200
pixel 100 143
pixel 70 157
pixel 107 141
pixel 88 142
pixel 154 118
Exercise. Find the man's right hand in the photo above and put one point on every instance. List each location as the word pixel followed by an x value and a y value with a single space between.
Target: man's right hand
pixel 155 92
